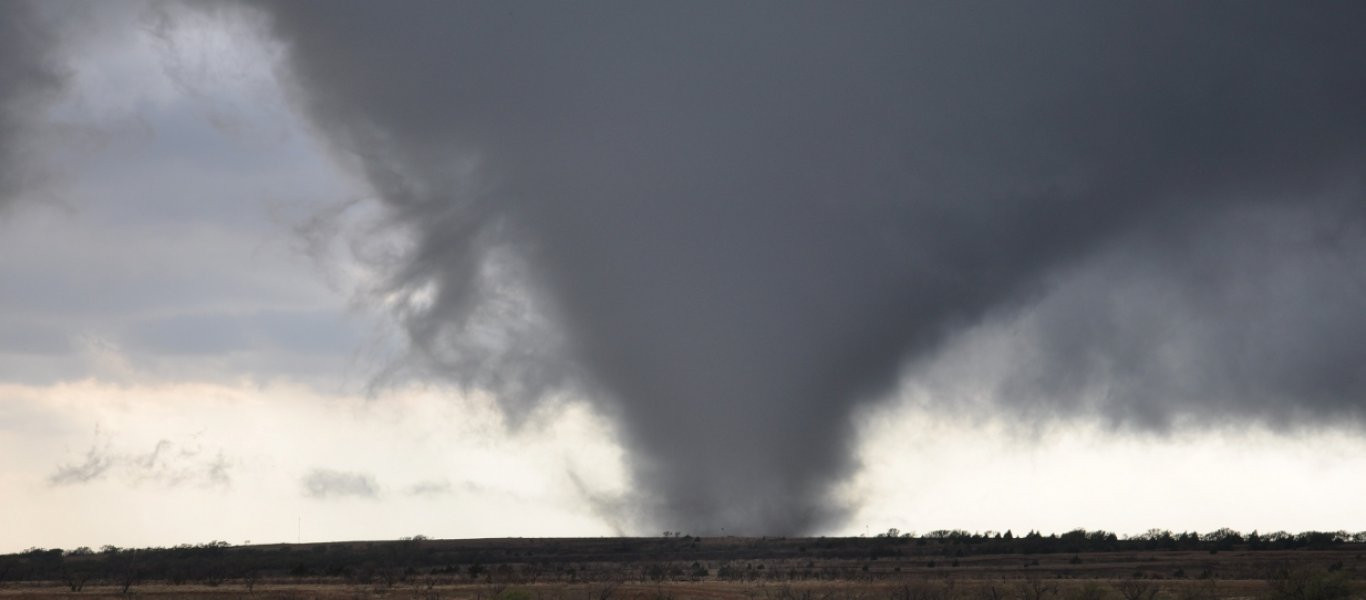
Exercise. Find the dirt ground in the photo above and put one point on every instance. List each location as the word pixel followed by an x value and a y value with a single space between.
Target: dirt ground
pixel 911 588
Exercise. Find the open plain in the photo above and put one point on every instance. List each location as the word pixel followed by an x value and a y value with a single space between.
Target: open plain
pixel 956 566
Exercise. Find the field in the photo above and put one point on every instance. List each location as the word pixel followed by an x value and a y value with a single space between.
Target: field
pixel 688 568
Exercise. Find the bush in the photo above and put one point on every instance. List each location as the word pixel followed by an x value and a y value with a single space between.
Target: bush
pixel 1306 584
pixel 1137 589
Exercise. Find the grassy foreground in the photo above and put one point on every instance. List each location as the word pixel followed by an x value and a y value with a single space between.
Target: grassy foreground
pixel 691 568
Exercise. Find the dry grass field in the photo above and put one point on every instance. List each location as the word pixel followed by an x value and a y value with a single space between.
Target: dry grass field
pixel 949 588
pixel 727 569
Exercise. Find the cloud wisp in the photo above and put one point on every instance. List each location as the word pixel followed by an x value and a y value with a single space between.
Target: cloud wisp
pixel 431 488
pixel 167 464
pixel 323 484
pixel 733 225
pixel 93 467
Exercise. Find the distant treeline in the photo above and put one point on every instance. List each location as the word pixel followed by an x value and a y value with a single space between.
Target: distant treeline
pixel 1081 540
pixel 675 556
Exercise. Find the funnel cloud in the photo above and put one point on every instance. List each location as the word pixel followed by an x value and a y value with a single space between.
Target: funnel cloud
pixel 733 224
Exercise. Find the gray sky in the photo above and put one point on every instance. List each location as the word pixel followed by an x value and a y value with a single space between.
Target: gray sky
pixel 760 268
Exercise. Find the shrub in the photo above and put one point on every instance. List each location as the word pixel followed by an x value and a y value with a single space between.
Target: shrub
pixel 1136 589
pixel 1306 584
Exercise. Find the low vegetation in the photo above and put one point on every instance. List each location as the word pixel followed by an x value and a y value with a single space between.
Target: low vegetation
pixel 940 565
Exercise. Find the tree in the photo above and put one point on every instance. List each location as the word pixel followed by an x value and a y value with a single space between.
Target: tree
pixel 74 577
pixel 699 571
pixel 249 578
pixel 124 568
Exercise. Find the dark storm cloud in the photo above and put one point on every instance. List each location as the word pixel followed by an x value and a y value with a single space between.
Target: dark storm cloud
pixel 745 219
pixel 28 76
pixel 1255 318
pixel 211 333
pixel 24 336
pixel 141 252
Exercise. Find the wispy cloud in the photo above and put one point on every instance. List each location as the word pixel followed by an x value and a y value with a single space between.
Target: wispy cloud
pixel 167 463
pixel 96 464
pixel 329 483
pixel 430 488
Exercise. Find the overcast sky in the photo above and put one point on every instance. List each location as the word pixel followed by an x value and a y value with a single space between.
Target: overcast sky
pixel 279 272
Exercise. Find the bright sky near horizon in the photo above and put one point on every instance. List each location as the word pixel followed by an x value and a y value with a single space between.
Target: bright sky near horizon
pixel 192 349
